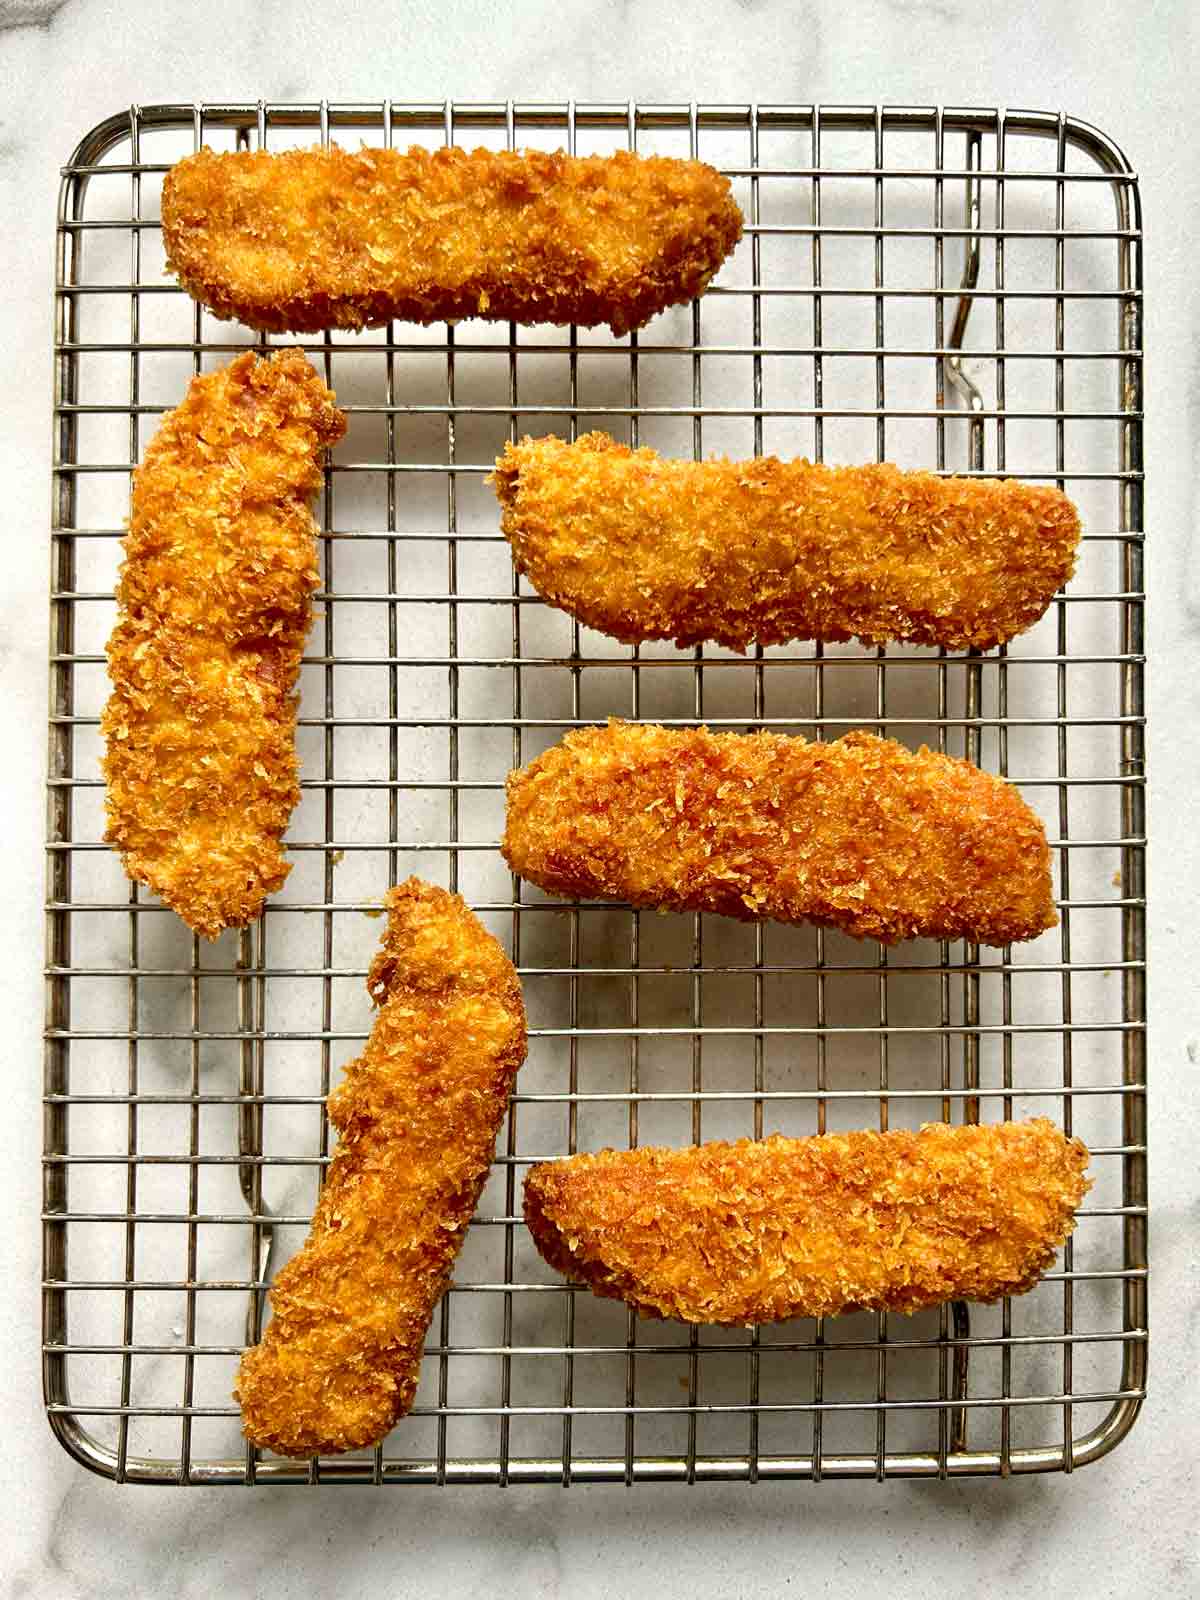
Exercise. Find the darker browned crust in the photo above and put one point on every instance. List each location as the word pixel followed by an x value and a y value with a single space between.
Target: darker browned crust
pixel 764 551
pixel 417 1115
pixel 859 834
pixel 311 239
pixel 760 1231
pixel 214 605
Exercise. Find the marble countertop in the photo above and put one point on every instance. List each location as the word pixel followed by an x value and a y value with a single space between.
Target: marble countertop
pixel 1123 1527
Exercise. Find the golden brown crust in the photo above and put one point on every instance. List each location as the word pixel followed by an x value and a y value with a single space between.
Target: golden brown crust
pixel 859 834
pixel 760 1231
pixel 214 606
pixel 418 1115
pixel 311 239
pixel 763 551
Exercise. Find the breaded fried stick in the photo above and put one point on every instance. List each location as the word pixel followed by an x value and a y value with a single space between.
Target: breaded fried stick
pixel 860 834
pixel 214 606
pixel 761 1231
pixel 418 1115
pixel 763 551
pixel 312 239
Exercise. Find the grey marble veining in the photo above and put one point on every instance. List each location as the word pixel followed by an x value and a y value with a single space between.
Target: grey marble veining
pixel 1123 1528
pixel 29 13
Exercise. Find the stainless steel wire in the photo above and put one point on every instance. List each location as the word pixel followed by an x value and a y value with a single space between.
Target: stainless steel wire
pixel 185 1126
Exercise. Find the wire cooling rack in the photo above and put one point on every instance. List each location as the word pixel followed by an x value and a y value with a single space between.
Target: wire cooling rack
pixel 950 289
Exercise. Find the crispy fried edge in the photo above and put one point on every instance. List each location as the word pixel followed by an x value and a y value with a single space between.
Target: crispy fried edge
pixel 671 279
pixel 200 908
pixel 638 596
pixel 569 1204
pixel 543 844
pixel 268 1383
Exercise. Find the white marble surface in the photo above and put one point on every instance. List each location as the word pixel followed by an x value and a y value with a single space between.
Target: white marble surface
pixel 1124 1527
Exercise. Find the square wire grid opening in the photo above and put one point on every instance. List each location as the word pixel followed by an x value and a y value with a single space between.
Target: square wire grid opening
pixel 185 1123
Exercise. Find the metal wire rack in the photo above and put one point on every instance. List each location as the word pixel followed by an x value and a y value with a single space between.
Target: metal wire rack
pixel 949 288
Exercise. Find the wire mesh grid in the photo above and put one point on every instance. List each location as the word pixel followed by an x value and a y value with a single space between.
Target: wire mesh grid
pixel 950 289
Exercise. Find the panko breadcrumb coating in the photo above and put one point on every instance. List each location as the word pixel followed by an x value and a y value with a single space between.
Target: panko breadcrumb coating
pixel 311 239
pixel 763 551
pixel 214 606
pixel 418 1115
pixel 760 1231
pixel 859 834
